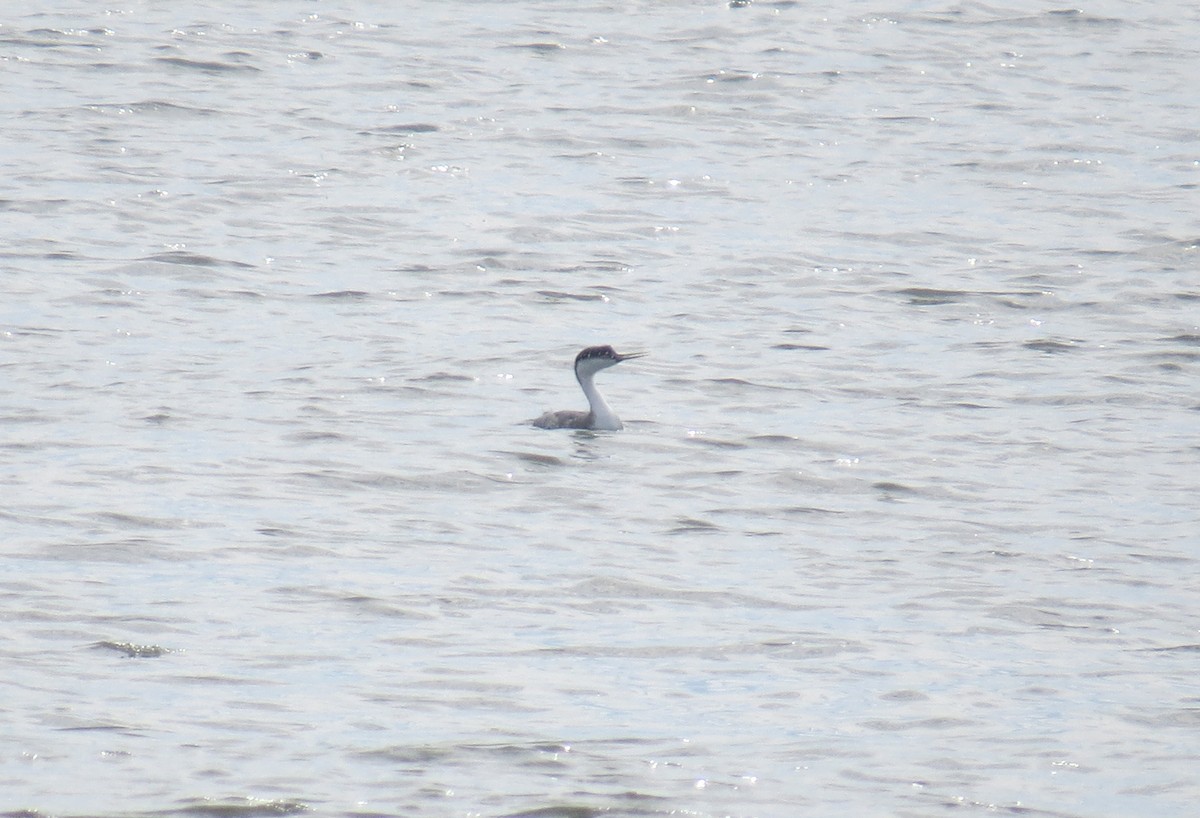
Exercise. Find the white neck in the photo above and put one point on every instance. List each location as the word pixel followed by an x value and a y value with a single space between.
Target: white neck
pixel 603 417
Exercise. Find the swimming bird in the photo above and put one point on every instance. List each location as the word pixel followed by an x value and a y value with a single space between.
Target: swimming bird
pixel 600 415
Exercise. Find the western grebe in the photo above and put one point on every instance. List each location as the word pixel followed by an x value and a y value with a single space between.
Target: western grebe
pixel 600 415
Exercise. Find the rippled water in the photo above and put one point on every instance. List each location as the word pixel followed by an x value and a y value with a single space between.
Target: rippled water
pixel 904 520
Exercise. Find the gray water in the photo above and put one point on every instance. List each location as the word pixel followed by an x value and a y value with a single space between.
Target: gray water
pixel 904 520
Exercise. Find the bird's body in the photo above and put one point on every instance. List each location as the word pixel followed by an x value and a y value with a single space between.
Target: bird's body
pixel 566 419
pixel 600 415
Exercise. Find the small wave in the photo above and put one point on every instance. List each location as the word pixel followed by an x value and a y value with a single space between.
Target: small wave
pixel 930 296
pixel 410 127
pixel 133 651
pixel 539 48
pixel 208 66
pixel 346 295
pixel 185 259
pixel 558 295
pixel 133 521
pixel 239 808
pixel 150 106
pixel 1051 346
pixel 805 347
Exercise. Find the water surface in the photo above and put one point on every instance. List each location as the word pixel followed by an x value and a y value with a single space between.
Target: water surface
pixel 903 521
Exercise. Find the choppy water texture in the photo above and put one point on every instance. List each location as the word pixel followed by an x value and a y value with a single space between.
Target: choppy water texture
pixel 904 521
